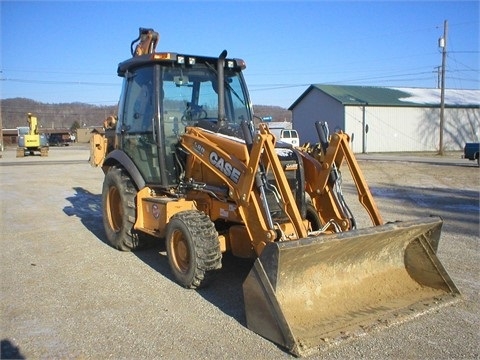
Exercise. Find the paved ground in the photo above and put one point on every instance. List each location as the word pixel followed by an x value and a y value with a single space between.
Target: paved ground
pixel 66 294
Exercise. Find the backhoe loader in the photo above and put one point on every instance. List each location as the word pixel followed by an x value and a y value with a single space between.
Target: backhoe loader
pixel 184 163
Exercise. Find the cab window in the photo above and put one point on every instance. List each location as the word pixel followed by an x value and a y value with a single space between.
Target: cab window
pixel 139 106
pixel 137 122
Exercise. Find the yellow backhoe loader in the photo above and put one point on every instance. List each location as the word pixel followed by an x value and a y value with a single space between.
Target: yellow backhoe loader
pixel 184 164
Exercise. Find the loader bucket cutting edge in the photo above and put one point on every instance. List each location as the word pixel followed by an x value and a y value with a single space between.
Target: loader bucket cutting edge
pixel 312 292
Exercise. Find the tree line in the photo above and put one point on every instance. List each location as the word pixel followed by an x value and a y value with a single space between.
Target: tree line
pixel 14 112
pixel 52 116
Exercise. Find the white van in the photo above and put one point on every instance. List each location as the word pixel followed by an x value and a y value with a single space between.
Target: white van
pixel 288 136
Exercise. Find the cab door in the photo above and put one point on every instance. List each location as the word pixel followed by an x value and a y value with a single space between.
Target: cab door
pixel 137 124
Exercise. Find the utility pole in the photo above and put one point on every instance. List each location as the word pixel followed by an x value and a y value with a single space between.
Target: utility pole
pixel 442 42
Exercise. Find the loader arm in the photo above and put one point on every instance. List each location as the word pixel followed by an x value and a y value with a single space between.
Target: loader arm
pixel 320 188
pixel 241 177
pixel 341 141
pixel 263 151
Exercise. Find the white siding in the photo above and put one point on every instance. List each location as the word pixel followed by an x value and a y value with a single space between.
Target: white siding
pixel 400 129
pixel 389 128
pixel 461 125
pixel 353 126
pixel 316 107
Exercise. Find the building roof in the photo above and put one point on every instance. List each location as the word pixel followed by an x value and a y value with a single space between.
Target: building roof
pixel 390 96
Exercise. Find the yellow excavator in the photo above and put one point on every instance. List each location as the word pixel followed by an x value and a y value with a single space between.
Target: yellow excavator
pixel 185 164
pixel 30 140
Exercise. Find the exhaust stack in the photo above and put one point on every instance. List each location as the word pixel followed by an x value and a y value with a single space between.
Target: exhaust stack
pixel 221 86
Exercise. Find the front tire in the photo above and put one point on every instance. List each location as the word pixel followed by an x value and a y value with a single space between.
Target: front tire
pixel 192 247
pixel 119 210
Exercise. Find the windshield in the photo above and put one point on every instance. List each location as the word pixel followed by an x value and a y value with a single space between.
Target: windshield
pixel 190 95
pixel 23 130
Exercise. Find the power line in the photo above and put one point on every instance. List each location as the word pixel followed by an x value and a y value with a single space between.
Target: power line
pixel 42 71
pixel 56 82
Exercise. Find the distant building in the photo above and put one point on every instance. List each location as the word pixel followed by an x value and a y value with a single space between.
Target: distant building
pixel 387 119
pixel 9 137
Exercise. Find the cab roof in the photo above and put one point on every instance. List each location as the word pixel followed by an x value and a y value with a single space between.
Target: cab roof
pixel 175 58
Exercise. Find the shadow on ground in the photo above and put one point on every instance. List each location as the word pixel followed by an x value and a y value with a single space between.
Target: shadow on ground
pixel 88 208
pixel 9 351
pixel 224 288
pixel 430 160
pixel 452 204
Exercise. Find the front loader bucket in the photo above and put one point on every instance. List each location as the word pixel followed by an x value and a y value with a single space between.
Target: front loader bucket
pixel 312 292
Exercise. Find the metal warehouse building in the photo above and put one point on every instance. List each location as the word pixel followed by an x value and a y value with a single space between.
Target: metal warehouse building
pixel 385 119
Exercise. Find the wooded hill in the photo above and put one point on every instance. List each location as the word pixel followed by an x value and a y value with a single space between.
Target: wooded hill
pixel 14 111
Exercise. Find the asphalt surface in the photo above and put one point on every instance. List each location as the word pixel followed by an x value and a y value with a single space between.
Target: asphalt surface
pixel 66 294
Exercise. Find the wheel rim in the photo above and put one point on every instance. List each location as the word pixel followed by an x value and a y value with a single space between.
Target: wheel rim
pixel 114 209
pixel 180 251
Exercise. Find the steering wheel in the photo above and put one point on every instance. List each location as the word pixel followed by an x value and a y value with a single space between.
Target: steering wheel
pixel 193 113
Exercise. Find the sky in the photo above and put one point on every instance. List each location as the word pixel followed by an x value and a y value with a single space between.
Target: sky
pixel 68 51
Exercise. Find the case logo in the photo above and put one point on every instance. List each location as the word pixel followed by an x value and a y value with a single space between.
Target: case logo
pixel 224 166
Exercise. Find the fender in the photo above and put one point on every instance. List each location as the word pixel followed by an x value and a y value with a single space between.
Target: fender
pixel 119 157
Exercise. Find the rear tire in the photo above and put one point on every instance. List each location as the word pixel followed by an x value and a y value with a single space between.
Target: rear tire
pixel 119 210
pixel 192 247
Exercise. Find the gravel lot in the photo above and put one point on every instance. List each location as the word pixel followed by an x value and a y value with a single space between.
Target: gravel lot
pixel 66 294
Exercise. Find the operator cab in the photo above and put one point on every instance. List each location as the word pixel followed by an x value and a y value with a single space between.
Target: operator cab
pixel 162 94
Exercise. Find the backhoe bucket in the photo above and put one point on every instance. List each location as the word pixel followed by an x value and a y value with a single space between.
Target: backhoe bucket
pixel 309 293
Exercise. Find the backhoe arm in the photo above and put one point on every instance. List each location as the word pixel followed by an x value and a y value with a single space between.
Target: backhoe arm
pixel 147 42
pixel 32 124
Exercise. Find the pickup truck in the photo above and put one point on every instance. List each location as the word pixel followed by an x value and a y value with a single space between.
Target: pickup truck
pixel 471 151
